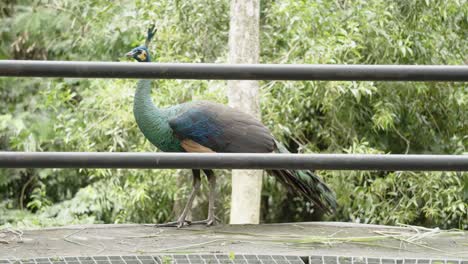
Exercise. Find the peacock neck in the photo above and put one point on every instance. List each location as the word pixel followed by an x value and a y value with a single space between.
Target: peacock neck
pixel 153 121
pixel 143 102
pixel 150 119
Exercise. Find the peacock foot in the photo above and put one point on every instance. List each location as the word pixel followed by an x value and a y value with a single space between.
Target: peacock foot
pixel 178 224
pixel 208 222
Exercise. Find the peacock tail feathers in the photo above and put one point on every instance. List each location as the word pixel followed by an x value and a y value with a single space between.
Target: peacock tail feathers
pixel 307 183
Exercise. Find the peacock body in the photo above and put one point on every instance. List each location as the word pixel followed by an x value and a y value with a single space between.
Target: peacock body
pixel 212 125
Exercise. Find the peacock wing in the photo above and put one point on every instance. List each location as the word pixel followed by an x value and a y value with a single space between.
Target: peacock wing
pixel 211 127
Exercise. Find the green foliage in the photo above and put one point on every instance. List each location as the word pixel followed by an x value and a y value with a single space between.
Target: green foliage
pixel 426 198
pixel 374 117
pixel 327 117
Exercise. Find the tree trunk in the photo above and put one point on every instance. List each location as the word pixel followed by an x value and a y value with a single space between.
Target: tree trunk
pixel 244 47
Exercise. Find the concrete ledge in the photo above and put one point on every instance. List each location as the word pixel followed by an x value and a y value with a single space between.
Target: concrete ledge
pixel 292 239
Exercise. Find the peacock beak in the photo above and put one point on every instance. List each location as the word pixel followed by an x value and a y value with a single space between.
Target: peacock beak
pixel 130 54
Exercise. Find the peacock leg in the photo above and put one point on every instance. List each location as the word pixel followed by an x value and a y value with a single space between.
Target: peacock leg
pixel 211 220
pixel 188 206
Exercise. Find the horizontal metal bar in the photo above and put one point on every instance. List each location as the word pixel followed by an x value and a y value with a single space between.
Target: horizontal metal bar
pixel 233 161
pixel 297 72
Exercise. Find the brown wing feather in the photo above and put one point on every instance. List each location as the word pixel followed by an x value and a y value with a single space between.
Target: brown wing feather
pixel 192 146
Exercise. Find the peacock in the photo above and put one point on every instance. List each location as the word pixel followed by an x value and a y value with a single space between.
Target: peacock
pixel 209 127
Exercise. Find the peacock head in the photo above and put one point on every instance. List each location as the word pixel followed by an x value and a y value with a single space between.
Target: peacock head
pixel 140 54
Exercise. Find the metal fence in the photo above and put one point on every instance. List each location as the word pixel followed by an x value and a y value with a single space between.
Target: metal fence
pixel 212 71
pixel 233 161
pixel 233 72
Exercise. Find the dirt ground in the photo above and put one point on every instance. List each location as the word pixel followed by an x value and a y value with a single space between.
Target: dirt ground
pixel 299 239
